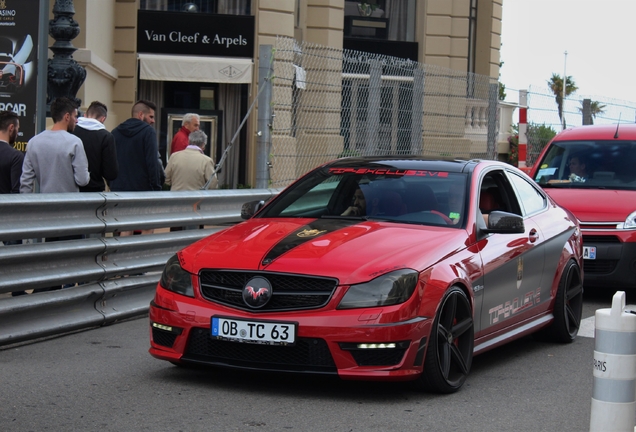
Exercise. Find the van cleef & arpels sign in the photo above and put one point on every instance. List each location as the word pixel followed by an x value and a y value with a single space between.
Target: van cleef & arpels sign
pixel 195 34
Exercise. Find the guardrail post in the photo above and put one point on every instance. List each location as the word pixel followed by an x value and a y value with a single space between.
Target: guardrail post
pixel 614 366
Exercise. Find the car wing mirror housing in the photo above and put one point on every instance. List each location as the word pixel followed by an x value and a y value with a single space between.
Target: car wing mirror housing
pixel 249 209
pixel 505 223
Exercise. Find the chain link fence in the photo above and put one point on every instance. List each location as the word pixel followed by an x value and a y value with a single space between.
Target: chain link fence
pixel 329 103
pixel 544 121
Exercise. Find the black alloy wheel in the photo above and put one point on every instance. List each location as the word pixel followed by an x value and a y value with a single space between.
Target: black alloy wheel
pixel 450 352
pixel 568 307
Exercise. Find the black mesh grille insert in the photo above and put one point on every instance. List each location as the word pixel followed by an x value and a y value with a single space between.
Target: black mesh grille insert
pixel 599 266
pixel 290 292
pixel 307 355
pixel 378 357
pixel 163 338
pixel 600 239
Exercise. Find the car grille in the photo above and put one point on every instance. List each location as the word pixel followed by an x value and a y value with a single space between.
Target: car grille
pixel 163 338
pixel 306 355
pixel 378 357
pixel 289 292
pixel 600 239
pixel 599 266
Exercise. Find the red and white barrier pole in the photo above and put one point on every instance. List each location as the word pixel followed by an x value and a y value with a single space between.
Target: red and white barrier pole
pixel 523 128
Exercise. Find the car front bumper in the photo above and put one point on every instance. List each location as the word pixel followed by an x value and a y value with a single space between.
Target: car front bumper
pixel 327 341
pixel 615 263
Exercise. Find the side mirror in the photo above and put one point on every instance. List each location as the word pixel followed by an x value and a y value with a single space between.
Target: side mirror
pixel 249 209
pixel 505 223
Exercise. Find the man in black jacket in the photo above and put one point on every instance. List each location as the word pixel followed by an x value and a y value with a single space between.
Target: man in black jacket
pixel 10 163
pixel 137 153
pixel 10 158
pixel 140 168
pixel 99 146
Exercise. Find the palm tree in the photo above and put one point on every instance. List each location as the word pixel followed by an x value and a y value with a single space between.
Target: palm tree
pixel 595 108
pixel 556 85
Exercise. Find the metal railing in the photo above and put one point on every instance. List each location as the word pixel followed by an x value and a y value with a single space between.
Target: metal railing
pixel 109 277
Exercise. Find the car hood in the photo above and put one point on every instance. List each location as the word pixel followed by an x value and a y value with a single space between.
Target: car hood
pixel 351 251
pixel 596 205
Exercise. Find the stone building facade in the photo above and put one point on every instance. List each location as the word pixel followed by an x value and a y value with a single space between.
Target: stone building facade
pixel 463 35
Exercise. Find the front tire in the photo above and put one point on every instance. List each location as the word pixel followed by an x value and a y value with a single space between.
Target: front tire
pixel 450 351
pixel 568 306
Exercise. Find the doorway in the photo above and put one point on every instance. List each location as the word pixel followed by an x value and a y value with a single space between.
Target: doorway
pixel 211 120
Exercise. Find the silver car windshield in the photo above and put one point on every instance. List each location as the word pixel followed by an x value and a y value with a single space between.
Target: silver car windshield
pixel 589 164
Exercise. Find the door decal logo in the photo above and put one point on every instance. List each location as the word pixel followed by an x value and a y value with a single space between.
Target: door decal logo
pixel 519 271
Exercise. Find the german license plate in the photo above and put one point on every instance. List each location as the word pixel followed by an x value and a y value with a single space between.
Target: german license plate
pixel 589 252
pixel 258 332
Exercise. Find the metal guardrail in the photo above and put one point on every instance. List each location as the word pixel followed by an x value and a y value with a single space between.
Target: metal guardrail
pixel 111 277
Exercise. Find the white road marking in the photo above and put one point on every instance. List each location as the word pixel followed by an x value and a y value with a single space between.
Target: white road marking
pixel 587 325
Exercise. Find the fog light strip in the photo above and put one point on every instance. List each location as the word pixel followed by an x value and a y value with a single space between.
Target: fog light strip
pixel 162 327
pixel 376 346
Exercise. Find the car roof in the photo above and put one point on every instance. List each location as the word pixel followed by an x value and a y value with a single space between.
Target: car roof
pixel 596 132
pixel 406 162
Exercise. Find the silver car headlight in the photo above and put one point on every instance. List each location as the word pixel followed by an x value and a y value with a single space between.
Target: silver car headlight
pixel 630 222
pixel 176 279
pixel 389 289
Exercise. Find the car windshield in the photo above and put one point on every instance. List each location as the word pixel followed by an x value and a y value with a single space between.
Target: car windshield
pixel 389 194
pixel 605 164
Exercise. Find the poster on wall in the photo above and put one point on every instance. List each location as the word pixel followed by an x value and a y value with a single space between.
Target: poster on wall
pixel 18 63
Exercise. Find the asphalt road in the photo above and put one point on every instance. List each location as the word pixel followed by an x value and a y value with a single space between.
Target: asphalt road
pixel 105 380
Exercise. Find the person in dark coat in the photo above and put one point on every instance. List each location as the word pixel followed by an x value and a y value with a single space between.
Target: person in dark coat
pixel 10 158
pixel 99 146
pixel 10 163
pixel 137 151
pixel 140 168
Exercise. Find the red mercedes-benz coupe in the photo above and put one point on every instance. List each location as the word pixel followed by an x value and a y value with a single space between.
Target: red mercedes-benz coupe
pixel 378 268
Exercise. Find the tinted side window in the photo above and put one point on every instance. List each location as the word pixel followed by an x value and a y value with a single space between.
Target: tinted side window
pixel 496 193
pixel 530 198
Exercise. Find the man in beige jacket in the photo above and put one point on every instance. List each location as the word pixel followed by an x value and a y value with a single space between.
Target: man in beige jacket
pixel 190 169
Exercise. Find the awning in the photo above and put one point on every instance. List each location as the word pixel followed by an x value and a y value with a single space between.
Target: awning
pixel 163 67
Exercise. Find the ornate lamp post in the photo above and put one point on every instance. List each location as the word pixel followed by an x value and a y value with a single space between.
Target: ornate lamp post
pixel 65 75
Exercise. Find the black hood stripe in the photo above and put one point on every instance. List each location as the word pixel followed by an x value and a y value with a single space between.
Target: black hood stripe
pixel 308 232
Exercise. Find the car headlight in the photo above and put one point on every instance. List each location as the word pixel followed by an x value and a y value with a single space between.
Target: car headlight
pixel 630 222
pixel 389 289
pixel 176 279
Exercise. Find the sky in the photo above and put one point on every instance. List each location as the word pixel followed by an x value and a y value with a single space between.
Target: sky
pixel 599 37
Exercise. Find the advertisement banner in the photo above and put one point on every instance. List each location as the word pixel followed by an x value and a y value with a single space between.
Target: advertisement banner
pixel 18 63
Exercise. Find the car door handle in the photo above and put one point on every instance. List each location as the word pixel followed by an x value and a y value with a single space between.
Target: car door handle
pixel 533 236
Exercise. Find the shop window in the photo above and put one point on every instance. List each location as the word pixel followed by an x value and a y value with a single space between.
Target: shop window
pixel 395 108
pixel 207 101
pixel 381 19
pixel 227 7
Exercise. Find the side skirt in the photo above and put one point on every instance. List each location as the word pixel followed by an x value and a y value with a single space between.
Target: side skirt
pixel 488 342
